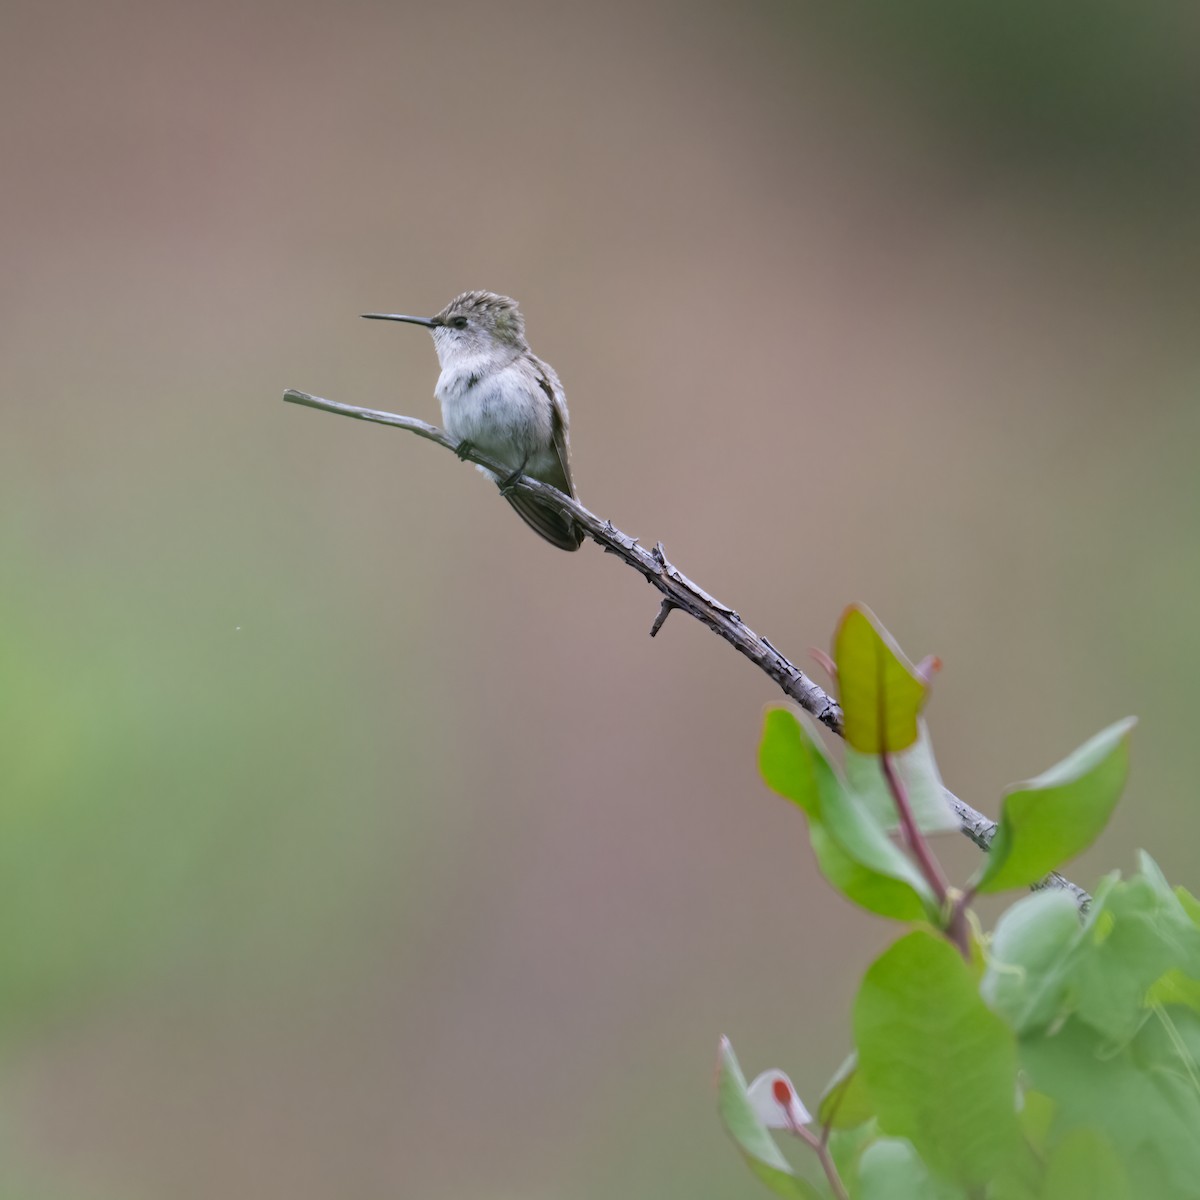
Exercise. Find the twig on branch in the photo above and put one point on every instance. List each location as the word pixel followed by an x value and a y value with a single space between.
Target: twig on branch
pixel 678 592
pixel 664 611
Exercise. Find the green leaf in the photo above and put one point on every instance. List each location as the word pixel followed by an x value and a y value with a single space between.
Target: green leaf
pixel 1084 1166
pixel 785 760
pixel 1172 902
pixel 881 693
pixel 1174 988
pixel 1189 903
pixel 1142 1097
pixel 1052 818
pixel 1026 981
pixel 1139 935
pixel 852 849
pixel 938 1064
pixel 1137 947
pixel 756 1144
pixel 1178 909
pixel 892 1170
pixel 845 1103
pixel 1036 1116
pixel 875 892
pixel 922 782
pixel 864 841
pixel 1012 1187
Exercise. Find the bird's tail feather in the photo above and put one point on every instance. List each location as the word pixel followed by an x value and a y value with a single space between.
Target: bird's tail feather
pixel 557 529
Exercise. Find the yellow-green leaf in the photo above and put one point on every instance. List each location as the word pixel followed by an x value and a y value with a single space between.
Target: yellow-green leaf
pixel 881 693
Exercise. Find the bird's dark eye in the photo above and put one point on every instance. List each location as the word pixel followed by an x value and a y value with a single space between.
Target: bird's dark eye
pixel 459 322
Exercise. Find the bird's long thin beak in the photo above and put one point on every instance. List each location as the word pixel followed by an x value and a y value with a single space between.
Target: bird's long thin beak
pixel 427 321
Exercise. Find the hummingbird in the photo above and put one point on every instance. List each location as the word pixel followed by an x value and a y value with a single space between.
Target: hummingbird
pixel 498 397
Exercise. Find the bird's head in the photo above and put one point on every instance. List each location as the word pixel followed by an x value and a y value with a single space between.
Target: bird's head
pixel 472 325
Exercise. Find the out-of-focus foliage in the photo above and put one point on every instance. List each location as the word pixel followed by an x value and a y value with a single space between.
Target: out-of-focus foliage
pixel 167 796
pixel 1083 78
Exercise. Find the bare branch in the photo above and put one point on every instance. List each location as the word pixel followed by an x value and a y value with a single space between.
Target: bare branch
pixel 678 592
pixel 652 564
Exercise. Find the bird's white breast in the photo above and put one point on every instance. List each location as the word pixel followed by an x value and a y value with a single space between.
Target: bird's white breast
pixel 497 410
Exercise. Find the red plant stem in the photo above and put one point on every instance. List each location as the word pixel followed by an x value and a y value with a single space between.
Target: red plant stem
pixel 918 847
pixel 820 1147
pixel 914 839
pixel 957 927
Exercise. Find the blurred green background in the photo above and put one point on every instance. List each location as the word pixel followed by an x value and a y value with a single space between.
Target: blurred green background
pixel 355 843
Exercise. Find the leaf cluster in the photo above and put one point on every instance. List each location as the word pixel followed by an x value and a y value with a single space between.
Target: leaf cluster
pixel 1057 1056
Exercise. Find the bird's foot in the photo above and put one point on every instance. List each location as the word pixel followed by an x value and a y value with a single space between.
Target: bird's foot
pixel 463 449
pixel 506 484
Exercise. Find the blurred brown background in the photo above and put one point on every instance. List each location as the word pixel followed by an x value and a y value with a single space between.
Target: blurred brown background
pixel 355 843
